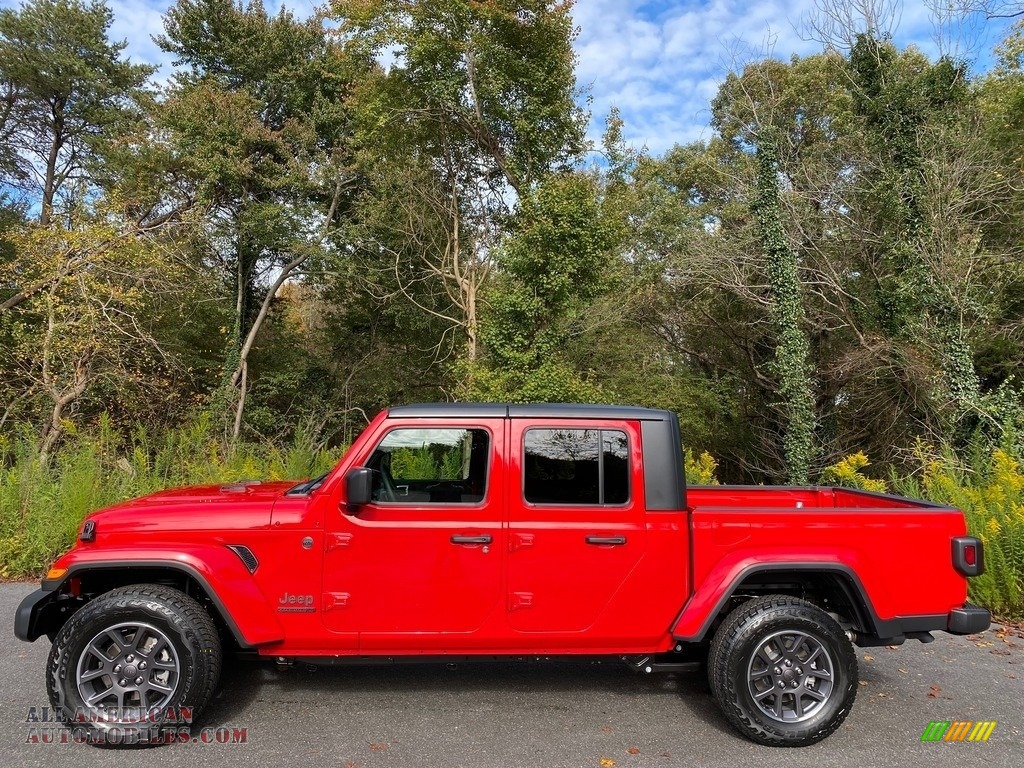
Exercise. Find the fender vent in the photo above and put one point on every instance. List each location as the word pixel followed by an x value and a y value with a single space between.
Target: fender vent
pixel 246 556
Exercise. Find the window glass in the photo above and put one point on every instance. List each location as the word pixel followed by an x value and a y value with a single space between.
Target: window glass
pixel 576 466
pixel 615 455
pixel 438 465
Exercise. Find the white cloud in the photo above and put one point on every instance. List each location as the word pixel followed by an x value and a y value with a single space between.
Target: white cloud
pixel 137 22
pixel 660 62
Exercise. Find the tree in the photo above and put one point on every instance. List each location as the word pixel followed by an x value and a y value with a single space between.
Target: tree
pixel 477 107
pixel 553 266
pixel 792 351
pixel 68 96
pixel 93 322
pixel 258 107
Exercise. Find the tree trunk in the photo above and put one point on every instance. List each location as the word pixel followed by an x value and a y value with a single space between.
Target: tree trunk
pixel 50 184
pixel 240 375
pixel 53 431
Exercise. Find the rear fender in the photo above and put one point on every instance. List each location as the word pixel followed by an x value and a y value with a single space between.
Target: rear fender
pixel 707 602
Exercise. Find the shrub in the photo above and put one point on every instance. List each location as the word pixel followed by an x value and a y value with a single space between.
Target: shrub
pixel 991 495
pixel 847 473
pixel 700 470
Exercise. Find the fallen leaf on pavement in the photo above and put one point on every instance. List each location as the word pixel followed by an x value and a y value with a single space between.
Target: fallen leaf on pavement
pixel 634 750
pixel 934 692
pixel 607 762
pixel 869 658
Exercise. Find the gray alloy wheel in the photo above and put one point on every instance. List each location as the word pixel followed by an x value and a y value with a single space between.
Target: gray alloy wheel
pixel 790 676
pixel 126 664
pixel 783 671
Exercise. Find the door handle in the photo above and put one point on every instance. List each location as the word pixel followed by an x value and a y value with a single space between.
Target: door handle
pixel 485 539
pixel 606 541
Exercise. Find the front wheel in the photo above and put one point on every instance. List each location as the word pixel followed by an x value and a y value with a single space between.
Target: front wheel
pixel 783 671
pixel 134 666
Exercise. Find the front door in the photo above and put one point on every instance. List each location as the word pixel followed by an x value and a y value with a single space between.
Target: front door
pixel 420 566
pixel 576 523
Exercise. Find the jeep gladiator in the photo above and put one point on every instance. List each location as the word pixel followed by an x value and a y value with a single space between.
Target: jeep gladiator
pixel 489 532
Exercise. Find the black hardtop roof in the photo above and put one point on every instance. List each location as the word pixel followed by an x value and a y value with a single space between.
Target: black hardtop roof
pixel 530 411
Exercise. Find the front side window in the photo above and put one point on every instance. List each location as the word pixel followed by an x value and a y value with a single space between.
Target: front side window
pixel 432 466
pixel 576 466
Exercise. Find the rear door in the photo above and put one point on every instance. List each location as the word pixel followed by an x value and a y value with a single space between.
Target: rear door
pixel 576 521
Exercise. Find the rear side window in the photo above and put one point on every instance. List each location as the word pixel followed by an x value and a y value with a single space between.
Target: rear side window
pixel 576 466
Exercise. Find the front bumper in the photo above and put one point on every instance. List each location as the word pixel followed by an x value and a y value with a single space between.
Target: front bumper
pixel 42 613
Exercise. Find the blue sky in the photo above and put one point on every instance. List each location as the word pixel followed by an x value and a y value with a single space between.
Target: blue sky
pixel 659 61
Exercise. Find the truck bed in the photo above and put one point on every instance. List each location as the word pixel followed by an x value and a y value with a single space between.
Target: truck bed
pixel 894 551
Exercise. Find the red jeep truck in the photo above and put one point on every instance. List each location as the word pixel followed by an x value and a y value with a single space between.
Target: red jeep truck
pixel 478 531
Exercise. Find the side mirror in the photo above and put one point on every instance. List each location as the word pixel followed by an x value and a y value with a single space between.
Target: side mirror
pixel 358 487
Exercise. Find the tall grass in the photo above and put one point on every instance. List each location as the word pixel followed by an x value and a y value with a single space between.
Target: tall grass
pixel 42 507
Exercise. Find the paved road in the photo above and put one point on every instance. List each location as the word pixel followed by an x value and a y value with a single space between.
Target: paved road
pixel 544 716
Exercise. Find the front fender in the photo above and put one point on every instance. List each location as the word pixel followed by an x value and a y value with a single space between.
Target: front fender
pixel 217 570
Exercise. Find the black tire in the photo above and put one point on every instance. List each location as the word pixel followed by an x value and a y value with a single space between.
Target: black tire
pixel 160 635
pixel 780 639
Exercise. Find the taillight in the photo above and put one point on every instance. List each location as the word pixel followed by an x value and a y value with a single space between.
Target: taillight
pixel 968 556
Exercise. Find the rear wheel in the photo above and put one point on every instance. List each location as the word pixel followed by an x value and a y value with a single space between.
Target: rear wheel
pixel 134 666
pixel 783 671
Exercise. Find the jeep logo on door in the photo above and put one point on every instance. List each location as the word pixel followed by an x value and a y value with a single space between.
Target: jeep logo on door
pixel 295 604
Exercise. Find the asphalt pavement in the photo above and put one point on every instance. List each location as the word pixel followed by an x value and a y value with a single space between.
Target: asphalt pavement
pixel 509 715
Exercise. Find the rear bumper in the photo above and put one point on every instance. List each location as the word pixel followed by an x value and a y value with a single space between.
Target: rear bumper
pixel 968 620
pixel 965 620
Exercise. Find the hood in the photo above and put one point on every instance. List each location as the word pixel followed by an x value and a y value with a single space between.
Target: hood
pixel 231 506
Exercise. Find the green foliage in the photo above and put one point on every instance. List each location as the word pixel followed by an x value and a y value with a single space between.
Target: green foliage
pixel 700 470
pixel 425 464
pixel 42 506
pixel 848 473
pixel 990 492
pixel 70 95
pixel 836 271
pixel 554 265
pixel 792 353
pixel 496 77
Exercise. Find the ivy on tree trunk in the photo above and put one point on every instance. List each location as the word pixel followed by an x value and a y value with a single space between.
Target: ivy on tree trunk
pixel 792 351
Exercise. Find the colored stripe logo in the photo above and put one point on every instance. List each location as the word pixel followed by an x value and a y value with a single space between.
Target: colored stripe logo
pixel 958 730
